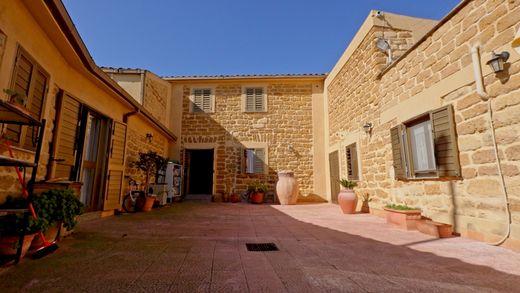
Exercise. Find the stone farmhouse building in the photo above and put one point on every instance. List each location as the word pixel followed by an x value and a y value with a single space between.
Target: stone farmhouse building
pixel 410 110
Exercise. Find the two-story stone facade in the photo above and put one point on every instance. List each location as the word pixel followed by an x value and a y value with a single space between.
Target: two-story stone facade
pixel 241 129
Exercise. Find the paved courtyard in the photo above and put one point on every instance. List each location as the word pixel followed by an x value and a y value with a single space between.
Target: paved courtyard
pixel 197 246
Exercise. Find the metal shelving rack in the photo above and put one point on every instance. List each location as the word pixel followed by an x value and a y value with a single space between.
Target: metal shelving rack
pixel 11 114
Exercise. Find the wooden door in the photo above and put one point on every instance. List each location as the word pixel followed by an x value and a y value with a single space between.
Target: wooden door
pixel 116 167
pixel 334 176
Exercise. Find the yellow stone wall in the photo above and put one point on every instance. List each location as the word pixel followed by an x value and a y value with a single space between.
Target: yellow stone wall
pixel 156 96
pixel 288 121
pixel 438 71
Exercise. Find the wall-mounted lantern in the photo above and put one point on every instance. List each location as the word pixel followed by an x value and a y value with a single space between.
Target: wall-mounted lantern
pixel 497 61
pixel 368 127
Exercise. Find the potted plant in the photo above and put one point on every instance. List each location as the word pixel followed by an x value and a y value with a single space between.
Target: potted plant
pixel 12 225
pixel 347 198
pixel 17 100
pixel 149 163
pixel 56 208
pixel 257 191
pixel 402 215
pixel 365 208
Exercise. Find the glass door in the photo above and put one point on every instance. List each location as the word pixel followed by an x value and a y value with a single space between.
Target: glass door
pixel 93 160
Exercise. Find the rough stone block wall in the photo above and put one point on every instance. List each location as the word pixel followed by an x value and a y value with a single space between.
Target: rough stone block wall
pixel 136 142
pixel 475 202
pixel 156 95
pixel 288 121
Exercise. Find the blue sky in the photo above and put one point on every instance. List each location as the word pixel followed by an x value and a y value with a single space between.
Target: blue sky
pixel 210 37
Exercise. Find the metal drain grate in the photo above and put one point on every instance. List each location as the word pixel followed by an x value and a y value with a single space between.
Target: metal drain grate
pixel 261 247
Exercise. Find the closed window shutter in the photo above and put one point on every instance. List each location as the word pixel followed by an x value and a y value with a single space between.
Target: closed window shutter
pixel 397 152
pixel 202 100
pixel 206 101
pixel 197 101
pixel 352 164
pixel 259 99
pixel 65 137
pixel 255 100
pixel 250 100
pixel 259 161
pixel 445 140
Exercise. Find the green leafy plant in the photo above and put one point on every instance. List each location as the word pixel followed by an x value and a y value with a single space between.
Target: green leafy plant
pixel 399 207
pixel 13 224
pixel 347 184
pixel 257 186
pixel 149 163
pixel 58 205
pixel 16 97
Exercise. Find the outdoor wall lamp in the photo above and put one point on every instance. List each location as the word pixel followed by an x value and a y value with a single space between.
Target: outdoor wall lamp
pixel 497 61
pixel 368 127
pixel 149 137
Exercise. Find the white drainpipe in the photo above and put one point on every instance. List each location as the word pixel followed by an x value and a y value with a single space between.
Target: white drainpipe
pixel 477 72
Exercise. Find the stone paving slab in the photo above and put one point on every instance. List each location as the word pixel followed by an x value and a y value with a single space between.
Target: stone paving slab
pixel 196 246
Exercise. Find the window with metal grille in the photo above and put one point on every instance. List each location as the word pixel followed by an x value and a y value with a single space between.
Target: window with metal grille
pixel 254 161
pixel 255 99
pixel 202 101
pixel 352 162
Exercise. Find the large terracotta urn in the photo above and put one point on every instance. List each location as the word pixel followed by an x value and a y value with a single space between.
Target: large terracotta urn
pixel 347 200
pixel 287 187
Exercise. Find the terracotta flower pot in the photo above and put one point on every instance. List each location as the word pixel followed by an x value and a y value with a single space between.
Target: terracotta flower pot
pixel 50 235
pixel 287 188
pixel 150 200
pixel 347 201
pixel 8 244
pixel 234 198
pixel 257 197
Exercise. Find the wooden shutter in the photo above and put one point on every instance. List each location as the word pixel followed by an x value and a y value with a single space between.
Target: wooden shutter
pixel 250 99
pixel 202 100
pixel 22 75
pixel 116 167
pixel 259 99
pixel 35 106
pixel 197 101
pixel 259 160
pixel 445 140
pixel 352 162
pixel 334 176
pixel 65 137
pixel 254 100
pixel 206 100
pixel 397 152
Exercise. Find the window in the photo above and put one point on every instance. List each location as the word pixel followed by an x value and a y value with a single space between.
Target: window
pixel 202 100
pixel 29 79
pixel 352 162
pixel 255 100
pixel 254 161
pixel 426 146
